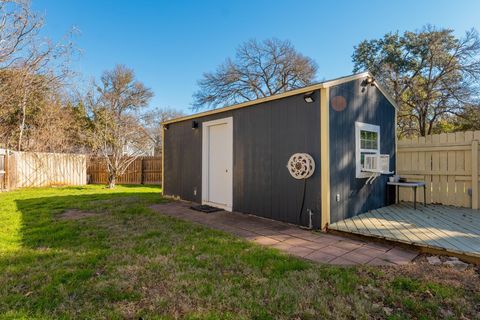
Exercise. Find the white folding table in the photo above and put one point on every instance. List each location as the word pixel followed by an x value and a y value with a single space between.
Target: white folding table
pixel 414 185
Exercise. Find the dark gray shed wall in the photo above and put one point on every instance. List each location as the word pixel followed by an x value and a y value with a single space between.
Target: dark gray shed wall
pixel 372 107
pixel 264 137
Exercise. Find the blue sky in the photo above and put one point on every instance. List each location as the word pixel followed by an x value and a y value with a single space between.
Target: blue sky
pixel 170 44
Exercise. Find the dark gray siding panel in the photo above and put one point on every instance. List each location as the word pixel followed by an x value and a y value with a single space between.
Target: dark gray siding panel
pixel 369 106
pixel 264 137
pixel 182 162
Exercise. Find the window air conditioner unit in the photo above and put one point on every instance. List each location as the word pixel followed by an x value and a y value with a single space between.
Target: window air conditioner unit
pixel 376 164
pixel 379 163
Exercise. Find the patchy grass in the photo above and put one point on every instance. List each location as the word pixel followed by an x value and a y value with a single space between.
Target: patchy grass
pixel 122 260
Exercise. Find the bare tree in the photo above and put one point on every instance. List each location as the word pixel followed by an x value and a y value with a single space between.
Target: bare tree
pixel 260 69
pixel 42 68
pixel 32 71
pixel 50 128
pixel 19 25
pixel 118 136
pixel 40 113
pixel 431 73
pixel 152 121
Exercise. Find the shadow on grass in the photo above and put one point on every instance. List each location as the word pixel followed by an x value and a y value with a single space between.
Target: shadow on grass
pixel 42 225
pixel 135 186
pixel 56 259
pixel 127 261
pixel 102 265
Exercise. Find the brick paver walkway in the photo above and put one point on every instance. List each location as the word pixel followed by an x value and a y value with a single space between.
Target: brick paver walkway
pixel 316 246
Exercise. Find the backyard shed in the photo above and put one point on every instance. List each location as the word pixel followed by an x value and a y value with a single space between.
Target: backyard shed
pixel 236 157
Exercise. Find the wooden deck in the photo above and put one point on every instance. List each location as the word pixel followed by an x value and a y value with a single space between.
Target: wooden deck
pixel 444 228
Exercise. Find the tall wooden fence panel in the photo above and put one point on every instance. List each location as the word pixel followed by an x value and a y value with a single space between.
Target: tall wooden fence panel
pixel 143 170
pixel 3 165
pixel 152 170
pixel 38 169
pixel 448 164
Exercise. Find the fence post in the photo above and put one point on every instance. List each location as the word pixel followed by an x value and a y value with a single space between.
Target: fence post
pixel 142 179
pixel 6 169
pixel 475 194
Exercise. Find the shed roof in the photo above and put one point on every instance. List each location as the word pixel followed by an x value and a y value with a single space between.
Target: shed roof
pixel 316 86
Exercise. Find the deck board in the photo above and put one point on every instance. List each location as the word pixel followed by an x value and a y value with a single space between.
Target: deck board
pixel 419 237
pixel 426 231
pixel 447 239
pixel 472 225
pixel 467 224
pixel 405 226
pixel 370 224
pixel 445 231
pixel 440 227
pixel 382 228
pixel 393 226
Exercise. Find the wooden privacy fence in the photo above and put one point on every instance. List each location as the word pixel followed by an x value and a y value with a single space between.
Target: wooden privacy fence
pixel 143 170
pixel 38 169
pixel 448 164
pixel 3 168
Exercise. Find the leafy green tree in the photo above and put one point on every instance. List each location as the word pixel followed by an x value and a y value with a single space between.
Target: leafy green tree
pixel 430 73
pixel 469 119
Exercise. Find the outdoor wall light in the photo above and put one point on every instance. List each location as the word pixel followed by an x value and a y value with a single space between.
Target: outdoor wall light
pixel 369 81
pixel 308 97
pixel 194 125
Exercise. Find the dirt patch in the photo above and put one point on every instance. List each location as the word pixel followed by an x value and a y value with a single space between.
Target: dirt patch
pixel 119 200
pixel 74 214
pixel 450 276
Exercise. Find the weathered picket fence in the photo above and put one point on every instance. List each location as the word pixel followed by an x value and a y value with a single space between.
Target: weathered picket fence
pixel 449 165
pixel 143 170
pixel 39 169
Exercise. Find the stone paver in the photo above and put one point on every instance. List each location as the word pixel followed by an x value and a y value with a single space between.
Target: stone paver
pixel 365 250
pixel 320 256
pixel 299 251
pixel 314 246
pixel 266 241
pixel 282 246
pixel 349 245
pixel 341 261
pixel 357 257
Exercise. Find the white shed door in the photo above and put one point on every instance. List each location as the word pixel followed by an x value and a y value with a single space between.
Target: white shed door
pixel 217 163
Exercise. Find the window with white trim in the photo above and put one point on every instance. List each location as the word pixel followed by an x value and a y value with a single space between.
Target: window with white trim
pixel 367 141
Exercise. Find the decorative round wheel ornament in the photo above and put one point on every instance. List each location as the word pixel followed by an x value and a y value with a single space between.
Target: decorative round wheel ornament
pixel 339 103
pixel 301 165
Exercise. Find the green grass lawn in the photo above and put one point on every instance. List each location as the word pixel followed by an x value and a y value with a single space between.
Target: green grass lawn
pixel 125 261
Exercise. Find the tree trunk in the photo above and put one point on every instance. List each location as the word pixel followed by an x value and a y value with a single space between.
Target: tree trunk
pixel 112 180
pixel 422 123
pixel 24 115
pixel 422 130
